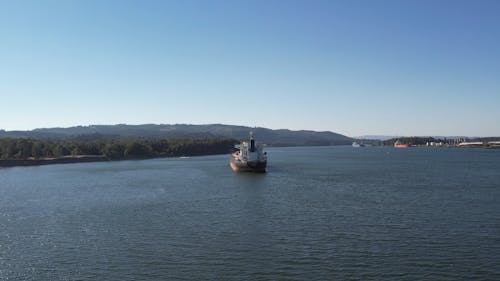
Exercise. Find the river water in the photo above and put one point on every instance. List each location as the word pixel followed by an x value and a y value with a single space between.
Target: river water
pixel 319 213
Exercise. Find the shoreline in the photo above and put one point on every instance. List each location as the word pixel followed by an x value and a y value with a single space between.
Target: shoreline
pixel 49 161
pixel 6 163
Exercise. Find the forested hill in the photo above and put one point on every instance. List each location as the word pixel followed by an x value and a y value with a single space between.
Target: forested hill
pixel 181 131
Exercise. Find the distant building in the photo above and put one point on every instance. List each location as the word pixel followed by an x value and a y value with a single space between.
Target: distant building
pixel 471 144
pixel 434 143
pixel 495 144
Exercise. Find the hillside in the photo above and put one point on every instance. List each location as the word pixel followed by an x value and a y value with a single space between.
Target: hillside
pixel 152 131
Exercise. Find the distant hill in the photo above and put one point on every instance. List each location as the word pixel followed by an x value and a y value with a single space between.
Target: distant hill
pixel 152 131
pixel 375 137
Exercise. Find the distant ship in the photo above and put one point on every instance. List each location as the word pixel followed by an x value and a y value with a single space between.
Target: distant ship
pixel 356 144
pixel 398 144
pixel 250 157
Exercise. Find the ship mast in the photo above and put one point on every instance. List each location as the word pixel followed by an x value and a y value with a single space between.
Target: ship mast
pixel 252 142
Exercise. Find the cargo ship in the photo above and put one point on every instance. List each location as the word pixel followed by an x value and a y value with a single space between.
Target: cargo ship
pixel 398 144
pixel 250 157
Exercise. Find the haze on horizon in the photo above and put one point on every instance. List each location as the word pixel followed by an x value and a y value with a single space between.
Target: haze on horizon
pixel 351 67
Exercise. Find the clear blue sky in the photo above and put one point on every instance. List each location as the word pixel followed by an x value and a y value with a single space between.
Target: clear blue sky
pixel 353 67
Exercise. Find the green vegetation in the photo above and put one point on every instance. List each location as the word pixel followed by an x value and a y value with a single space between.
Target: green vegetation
pixel 16 148
pixel 422 141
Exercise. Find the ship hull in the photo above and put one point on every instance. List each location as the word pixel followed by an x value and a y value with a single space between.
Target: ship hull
pixel 401 146
pixel 251 167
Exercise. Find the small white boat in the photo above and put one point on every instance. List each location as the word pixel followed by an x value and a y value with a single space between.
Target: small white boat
pixel 355 144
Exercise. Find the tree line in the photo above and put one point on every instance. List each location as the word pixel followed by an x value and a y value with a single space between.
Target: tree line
pixel 413 140
pixel 425 140
pixel 15 148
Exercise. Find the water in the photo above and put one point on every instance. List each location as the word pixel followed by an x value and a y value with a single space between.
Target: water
pixel 320 213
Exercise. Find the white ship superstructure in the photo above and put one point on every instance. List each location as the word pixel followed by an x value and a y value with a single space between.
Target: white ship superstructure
pixel 250 157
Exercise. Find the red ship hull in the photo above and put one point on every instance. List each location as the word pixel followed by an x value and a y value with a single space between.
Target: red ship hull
pixel 401 146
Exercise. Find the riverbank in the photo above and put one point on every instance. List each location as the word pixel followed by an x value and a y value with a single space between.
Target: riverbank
pixel 48 161
pixel 80 159
pixel 27 152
